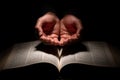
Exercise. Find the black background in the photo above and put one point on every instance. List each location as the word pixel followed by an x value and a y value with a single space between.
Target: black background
pixel 100 20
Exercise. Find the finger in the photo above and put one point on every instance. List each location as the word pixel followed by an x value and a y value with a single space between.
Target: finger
pixel 63 42
pixel 40 34
pixel 56 41
pixel 74 37
pixel 56 28
pixel 48 40
pixel 79 26
pixel 44 39
pixel 53 41
pixel 39 23
pixel 63 29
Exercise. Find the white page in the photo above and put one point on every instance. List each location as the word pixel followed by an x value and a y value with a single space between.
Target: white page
pixel 17 56
pixel 66 60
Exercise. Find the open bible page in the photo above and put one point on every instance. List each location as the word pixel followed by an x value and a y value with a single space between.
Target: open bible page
pixel 80 57
pixel 48 58
pixel 43 54
pixel 69 52
pixel 24 54
pixel 97 54
pixel 66 60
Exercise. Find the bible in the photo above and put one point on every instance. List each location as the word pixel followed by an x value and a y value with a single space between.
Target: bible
pixel 90 53
pixel 43 60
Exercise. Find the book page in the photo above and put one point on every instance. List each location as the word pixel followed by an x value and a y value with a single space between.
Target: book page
pixel 43 54
pixel 17 56
pixel 101 54
pixel 25 54
pixel 66 60
pixel 69 52
pixel 97 54
pixel 49 58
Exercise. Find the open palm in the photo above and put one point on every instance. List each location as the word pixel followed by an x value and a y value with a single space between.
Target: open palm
pixel 48 28
pixel 70 29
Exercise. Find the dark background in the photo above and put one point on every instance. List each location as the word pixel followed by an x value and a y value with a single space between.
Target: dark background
pixel 100 19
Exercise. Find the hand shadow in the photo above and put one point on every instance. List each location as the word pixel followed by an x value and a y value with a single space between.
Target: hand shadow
pixel 73 48
pixel 48 49
pixel 67 50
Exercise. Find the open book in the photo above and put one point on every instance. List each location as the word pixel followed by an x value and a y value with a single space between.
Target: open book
pixel 73 62
pixel 59 56
pixel 90 53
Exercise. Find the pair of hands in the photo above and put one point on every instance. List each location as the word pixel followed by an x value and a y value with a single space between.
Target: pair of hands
pixel 53 31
